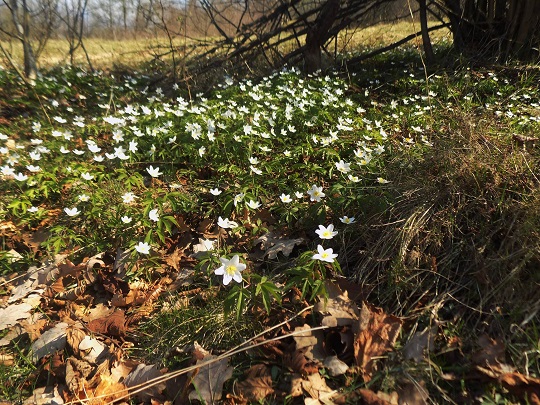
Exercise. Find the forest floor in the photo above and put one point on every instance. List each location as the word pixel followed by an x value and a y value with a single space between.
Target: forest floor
pixel 367 236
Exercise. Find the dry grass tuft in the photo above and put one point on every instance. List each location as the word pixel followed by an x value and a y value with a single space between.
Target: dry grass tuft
pixel 464 231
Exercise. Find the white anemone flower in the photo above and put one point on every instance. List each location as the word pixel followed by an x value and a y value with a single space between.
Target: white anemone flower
pixel 154 215
pixel 33 169
pixel 347 220
pixel 143 248
pixel 255 170
pixel 154 171
pixel 326 232
pixel 237 198
pixel 285 198
pixel 315 193
pixel 253 204
pixel 20 177
pixel 343 167
pixel 230 269
pixel 128 198
pixel 226 223
pixel 71 212
pixel 325 255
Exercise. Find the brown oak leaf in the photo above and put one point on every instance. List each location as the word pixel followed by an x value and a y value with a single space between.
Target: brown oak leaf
pixel 257 385
pixel 378 333
pixel 315 386
pixel 112 325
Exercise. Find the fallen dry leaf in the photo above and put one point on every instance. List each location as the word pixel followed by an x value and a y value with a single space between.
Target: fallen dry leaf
pixel 133 297
pixel 24 290
pixel 141 374
pixel 121 369
pixel 45 396
pixel 207 229
pixel 340 342
pixel 209 379
pixel 89 314
pixel 55 366
pixel 355 291
pixel 315 386
pixel 112 325
pixel 175 258
pixel 526 388
pixel 335 366
pixel 413 393
pixel 108 389
pixel 337 309
pixel 309 342
pixel 91 349
pixel 11 315
pixel 96 260
pixel 13 333
pixel 273 244
pixel 52 340
pixel 378 333
pixel 380 398
pixel 293 387
pixel 297 362
pixel 184 278
pixel 34 325
pixel 257 384
pixel 74 336
pixel 76 373
pixel 418 343
pixel 120 262
pixel 491 352
pixel 6 359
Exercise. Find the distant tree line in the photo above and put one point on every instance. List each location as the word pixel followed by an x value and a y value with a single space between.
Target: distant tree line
pixel 231 29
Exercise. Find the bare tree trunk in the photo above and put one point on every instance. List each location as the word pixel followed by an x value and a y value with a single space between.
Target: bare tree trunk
pixel 317 35
pixel 426 41
pixel 454 14
pixel 22 27
pixel 124 15
pixel 524 22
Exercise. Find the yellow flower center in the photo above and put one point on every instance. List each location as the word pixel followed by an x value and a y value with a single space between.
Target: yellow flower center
pixel 230 270
pixel 324 255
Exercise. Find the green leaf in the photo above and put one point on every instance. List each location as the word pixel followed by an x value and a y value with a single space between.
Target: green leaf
pixel 236 301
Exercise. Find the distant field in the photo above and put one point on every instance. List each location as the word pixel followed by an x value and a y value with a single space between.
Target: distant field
pixel 385 34
pixel 105 53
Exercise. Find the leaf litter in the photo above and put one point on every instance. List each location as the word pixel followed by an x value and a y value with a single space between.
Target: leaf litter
pixel 83 342
pixel 82 345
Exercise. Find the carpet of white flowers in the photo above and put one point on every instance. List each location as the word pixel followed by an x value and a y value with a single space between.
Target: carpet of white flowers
pixel 289 153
